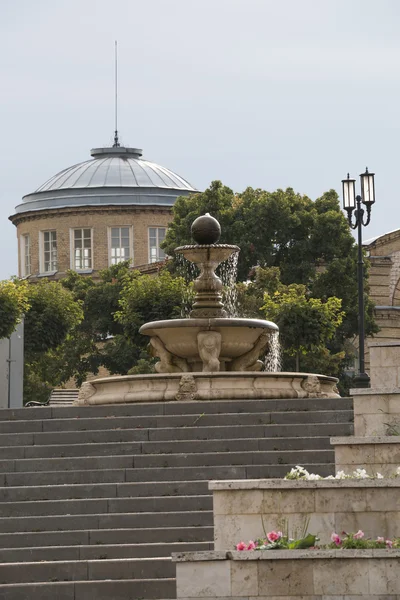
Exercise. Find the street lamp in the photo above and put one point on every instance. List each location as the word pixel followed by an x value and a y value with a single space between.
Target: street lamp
pixel 351 203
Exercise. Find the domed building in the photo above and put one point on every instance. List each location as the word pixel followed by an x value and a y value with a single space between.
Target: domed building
pixel 112 208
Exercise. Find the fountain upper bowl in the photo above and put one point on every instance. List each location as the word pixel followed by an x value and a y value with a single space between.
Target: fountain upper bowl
pixel 179 336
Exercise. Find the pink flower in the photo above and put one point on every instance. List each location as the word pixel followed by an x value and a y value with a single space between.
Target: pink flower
pixel 359 535
pixel 241 546
pixel 389 543
pixel 336 539
pixel 251 545
pixel 274 536
pixel 381 540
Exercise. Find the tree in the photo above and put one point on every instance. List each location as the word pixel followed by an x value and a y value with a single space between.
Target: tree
pixel 13 304
pixel 53 314
pixel 309 242
pixel 306 324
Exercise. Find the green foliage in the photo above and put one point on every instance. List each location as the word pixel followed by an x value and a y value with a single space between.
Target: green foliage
pixel 147 298
pixel 52 314
pixel 114 308
pixel 13 304
pixel 306 324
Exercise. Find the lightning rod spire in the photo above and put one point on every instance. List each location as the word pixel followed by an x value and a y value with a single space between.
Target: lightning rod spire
pixel 116 141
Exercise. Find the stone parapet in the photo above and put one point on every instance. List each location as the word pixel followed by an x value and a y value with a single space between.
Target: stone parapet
pixel 286 574
pixel 374 454
pixel 376 411
pixel 244 510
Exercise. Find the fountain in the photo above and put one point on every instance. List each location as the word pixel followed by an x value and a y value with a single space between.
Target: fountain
pixel 208 355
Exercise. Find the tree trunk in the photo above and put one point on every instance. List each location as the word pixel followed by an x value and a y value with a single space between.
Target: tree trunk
pixel 297 362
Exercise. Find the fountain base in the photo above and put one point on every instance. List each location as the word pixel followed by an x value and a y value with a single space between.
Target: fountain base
pixel 122 389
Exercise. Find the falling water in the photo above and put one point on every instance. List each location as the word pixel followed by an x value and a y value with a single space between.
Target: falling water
pixel 189 272
pixel 227 271
pixel 273 359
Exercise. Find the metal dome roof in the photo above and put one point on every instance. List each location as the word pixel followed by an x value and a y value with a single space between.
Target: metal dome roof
pixel 116 175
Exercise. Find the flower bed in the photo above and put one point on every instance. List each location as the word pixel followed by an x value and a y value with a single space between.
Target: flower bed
pixel 276 540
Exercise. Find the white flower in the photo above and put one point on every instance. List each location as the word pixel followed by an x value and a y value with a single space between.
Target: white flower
pixel 361 474
pixel 313 477
pixel 379 476
pixel 341 475
pixel 398 471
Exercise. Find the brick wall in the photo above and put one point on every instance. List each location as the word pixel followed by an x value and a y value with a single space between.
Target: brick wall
pixel 98 219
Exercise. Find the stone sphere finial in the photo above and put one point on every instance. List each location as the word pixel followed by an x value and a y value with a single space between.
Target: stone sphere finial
pixel 206 230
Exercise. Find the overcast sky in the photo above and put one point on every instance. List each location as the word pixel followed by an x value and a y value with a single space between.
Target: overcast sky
pixel 261 93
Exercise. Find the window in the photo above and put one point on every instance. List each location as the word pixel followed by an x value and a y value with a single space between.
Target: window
pixel 49 251
pixel 25 255
pixel 156 236
pixel 120 244
pixel 82 249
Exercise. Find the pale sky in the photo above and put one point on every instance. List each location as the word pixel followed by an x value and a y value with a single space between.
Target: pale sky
pixel 261 93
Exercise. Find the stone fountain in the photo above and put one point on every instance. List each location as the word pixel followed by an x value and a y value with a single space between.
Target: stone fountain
pixel 209 355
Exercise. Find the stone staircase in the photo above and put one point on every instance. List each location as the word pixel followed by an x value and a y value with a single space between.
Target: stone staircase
pixel 93 500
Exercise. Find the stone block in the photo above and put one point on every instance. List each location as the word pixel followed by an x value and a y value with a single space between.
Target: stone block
pixel 341 577
pixel 207 579
pixel 243 502
pixel 244 578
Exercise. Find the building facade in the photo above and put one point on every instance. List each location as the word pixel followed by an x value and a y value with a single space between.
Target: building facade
pixel 384 282
pixel 112 208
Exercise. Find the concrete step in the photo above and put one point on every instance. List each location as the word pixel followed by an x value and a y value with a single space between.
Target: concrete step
pixel 177 408
pixel 99 552
pixel 80 570
pixel 233 458
pixel 106 505
pixel 63 478
pixel 164 460
pixel 182 434
pixel 103 490
pixel 106 537
pixel 128 589
pixel 224 472
pixel 180 447
pixel 187 421
pixel 249 431
pixel 143 520
pixel 41 478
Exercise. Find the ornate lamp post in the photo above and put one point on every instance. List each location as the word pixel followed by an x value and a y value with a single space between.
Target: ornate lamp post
pixel 351 203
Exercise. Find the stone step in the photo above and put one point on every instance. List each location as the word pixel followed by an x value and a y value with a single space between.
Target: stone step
pixel 177 408
pixel 128 589
pixel 249 431
pixel 104 490
pixel 99 552
pixel 176 421
pixel 106 537
pixel 106 521
pixel 40 478
pixel 266 471
pixel 106 505
pixel 173 447
pixel 165 460
pixel 80 570
pixel 182 434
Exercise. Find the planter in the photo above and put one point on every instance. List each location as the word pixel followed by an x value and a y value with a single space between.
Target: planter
pixel 281 575
pixel 243 510
pixel 374 454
